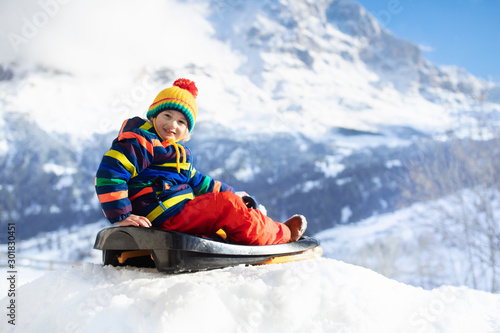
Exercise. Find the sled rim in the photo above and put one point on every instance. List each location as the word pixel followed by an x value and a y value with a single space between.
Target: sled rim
pixel 305 255
pixel 136 238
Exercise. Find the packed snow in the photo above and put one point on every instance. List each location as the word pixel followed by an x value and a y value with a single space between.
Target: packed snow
pixel 321 295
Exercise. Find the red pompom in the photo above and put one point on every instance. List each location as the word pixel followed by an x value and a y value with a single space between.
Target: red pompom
pixel 188 85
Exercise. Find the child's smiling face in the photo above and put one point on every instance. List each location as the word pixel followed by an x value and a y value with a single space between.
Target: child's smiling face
pixel 171 124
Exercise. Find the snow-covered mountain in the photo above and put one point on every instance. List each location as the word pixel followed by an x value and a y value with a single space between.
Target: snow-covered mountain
pixel 279 61
pixel 305 101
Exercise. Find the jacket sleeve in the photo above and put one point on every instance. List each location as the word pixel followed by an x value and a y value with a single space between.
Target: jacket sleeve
pixel 129 155
pixel 202 184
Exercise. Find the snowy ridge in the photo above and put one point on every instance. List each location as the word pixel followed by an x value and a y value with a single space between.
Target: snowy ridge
pixel 320 295
pixel 408 245
pixel 72 244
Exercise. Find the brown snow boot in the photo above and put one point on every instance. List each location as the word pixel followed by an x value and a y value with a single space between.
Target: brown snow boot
pixel 297 225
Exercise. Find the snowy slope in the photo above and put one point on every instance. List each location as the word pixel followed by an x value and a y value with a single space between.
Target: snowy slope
pixel 410 245
pixel 321 295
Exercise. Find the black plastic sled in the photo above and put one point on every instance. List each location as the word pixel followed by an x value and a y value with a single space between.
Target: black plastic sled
pixel 174 252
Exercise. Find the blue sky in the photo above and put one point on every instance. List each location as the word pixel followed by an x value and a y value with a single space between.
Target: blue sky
pixel 465 33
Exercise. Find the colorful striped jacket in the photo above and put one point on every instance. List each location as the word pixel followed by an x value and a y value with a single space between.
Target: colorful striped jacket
pixel 143 175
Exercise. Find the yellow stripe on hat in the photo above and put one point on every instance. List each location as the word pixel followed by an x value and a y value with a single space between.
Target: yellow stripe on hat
pixel 171 100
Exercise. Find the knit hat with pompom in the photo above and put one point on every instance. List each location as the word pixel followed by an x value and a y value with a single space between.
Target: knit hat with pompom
pixel 180 97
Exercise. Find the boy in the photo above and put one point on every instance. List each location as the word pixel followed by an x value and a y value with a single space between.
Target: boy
pixel 147 179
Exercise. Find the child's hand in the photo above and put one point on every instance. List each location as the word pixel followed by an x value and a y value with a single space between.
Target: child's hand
pixel 136 221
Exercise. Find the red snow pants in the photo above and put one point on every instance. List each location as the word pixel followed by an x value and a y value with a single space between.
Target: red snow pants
pixel 207 213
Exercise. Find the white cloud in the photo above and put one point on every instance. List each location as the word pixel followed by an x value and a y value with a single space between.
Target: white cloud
pixel 425 48
pixel 99 38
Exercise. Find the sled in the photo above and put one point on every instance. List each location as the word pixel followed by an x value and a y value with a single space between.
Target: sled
pixel 174 252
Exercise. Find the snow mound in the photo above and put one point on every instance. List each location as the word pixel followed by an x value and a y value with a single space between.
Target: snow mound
pixel 320 295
